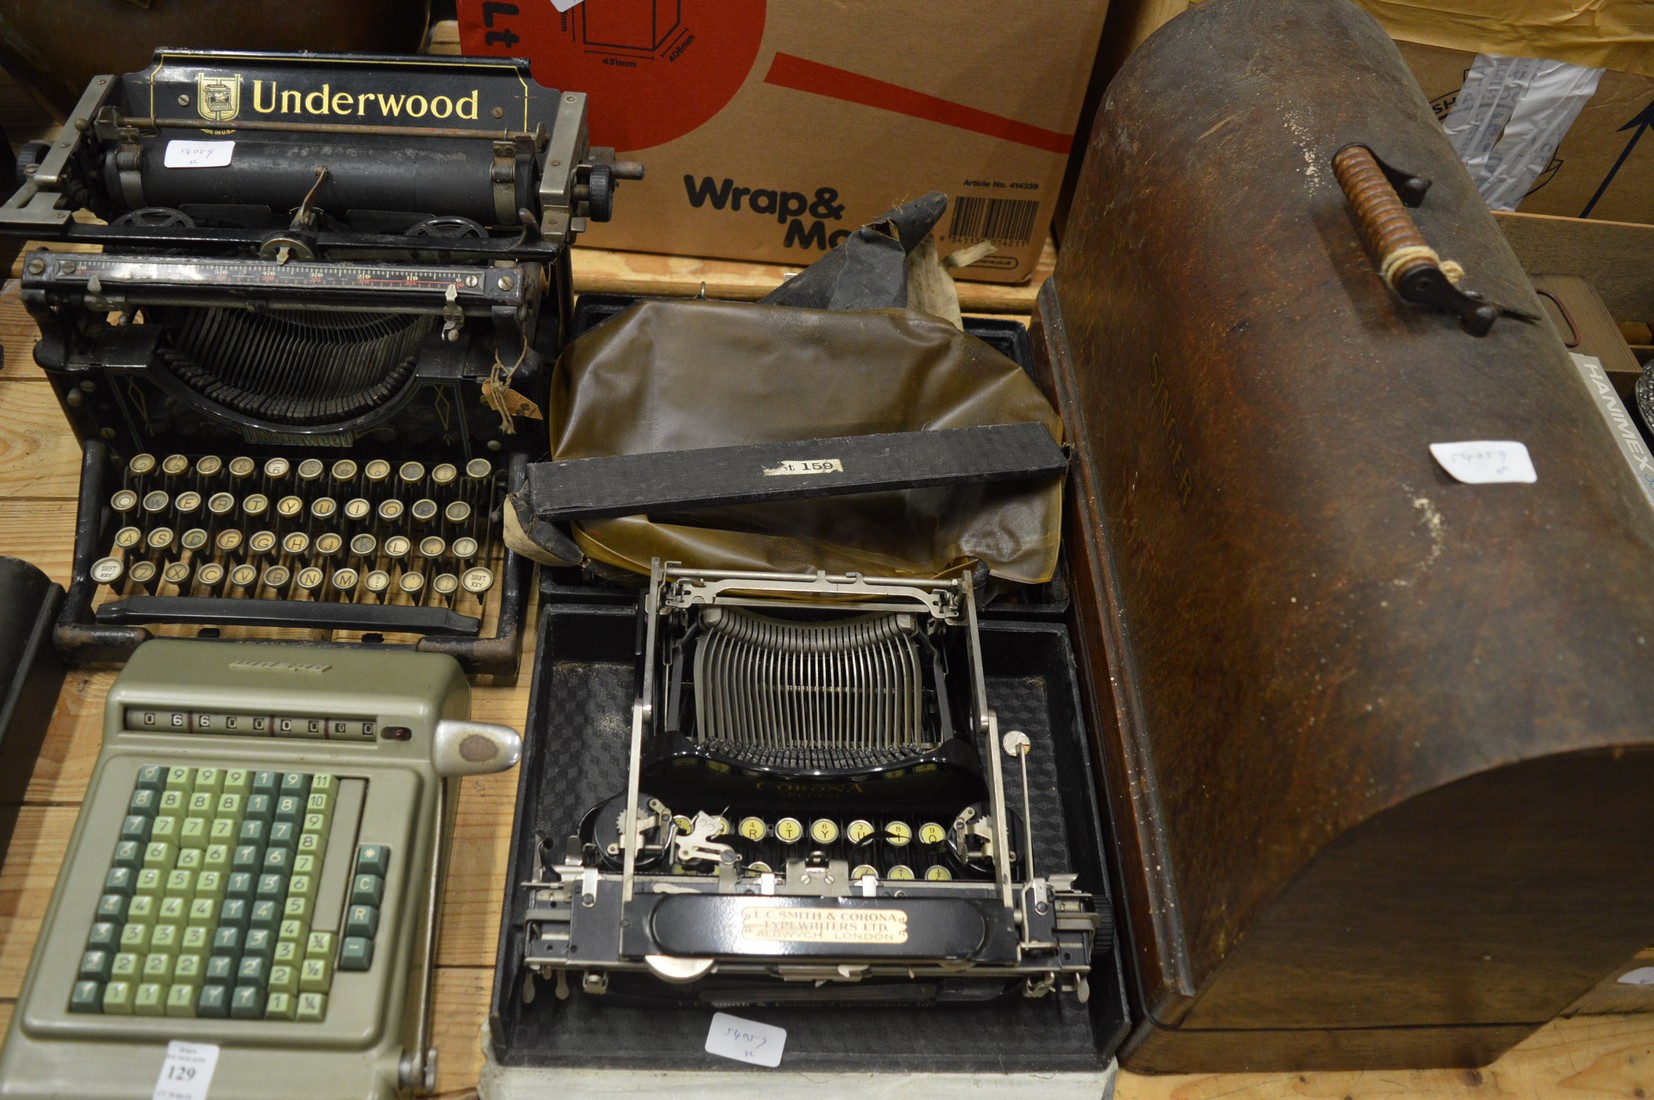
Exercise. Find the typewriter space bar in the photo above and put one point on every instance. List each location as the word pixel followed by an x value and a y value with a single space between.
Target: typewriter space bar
pixel 305 614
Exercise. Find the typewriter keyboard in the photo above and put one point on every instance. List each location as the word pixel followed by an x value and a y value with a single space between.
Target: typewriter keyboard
pixel 346 532
pixel 232 893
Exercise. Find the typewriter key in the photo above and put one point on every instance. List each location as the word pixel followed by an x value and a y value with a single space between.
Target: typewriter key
pixel 445 584
pixel 376 581
pixel 457 511
pixel 209 466
pixel 261 542
pixel 194 539
pixel 344 470
pixel 364 546
pixel 823 830
pixel 159 538
pixel 376 471
pixel 255 505
pixel 276 578
pixel 243 576
pixel 398 547
pixel 344 580
pixel 479 469
pixel 175 465
pixel 390 510
pixel 295 543
pixel 311 469
pixel 682 823
pixel 720 826
pixel 328 543
pixel 464 548
pixel 358 509
pixel 431 546
pixel 789 830
pixel 221 504
pixel 276 468
pixel 411 473
pixel 898 833
pixel 156 502
pixel 938 873
pixel 932 834
pixel 228 540
pixel 142 573
pixel 859 831
pixel 424 509
pixel 128 537
pixel 210 575
pixel 477 581
pixel 444 474
pixel 310 579
pixel 242 467
pixel 323 508
pixel 900 872
pixel 753 828
pixel 759 867
pixel 187 502
pixel 140 465
pixel 864 870
pixel 124 501
pixel 107 570
pixel 411 583
pixel 290 507
pixel 176 573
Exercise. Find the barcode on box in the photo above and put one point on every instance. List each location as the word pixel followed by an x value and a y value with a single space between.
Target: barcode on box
pixel 1002 221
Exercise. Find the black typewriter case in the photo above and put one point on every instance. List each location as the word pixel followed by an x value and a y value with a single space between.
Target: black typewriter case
pixel 577 735
pixel 1046 602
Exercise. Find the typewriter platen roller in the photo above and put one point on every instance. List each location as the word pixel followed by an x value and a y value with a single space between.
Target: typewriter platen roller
pixel 818 792
pixel 313 268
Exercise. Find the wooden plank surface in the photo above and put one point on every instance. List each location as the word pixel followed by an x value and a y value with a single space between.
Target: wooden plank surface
pixel 1579 1059
pixel 1617 257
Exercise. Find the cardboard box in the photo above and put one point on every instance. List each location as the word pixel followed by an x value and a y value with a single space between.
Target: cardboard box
pixel 1604 165
pixel 772 129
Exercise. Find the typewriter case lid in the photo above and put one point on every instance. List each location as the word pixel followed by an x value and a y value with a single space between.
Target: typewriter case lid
pixel 1376 741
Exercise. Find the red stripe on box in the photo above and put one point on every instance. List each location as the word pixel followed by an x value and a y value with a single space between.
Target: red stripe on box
pixel 799 74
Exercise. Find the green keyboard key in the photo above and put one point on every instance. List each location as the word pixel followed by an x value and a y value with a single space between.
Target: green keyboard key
pixel 95 965
pixel 315 975
pixel 279 1006
pixel 298 909
pixel 253 831
pixel 193 833
pixel 152 777
pixel 219 970
pixel 260 942
pixel 301 886
pixel 130 853
pixel 160 855
pixel 105 935
pixel 324 783
pixel 271 887
pixel 224 834
pixel 278 861
pixel 284 978
pixel 296 784
pixel 164 940
pixel 247 1003
pixel 373 859
pixel 180 884
pixel 312 1007
pixel 210 884
pixel 247 857
pixel 190 858
pixel 367 890
pixel 289 808
pixel 144 803
pixel 150 1000
pixel 156 968
pixel 174 909
pixel 306 863
pixel 143 909
pixel 149 882
pixel 356 953
pixel 226 942
pixel 188 970
pixel 203 913
pixel 120 880
pixel 173 803
pixel 312 843
pixel 266 782
pixel 210 780
pixel 284 834
pixel 239 885
pixel 112 907
pixel 213 1002
pixel 286 953
pixel 166 827
pixel 292 930
pixel 135 938
pixel 181 779
pixel 197 940
pixel 266 915
pixel 229 806
pixel 238 781
pixel 181 1000
pixel 361 920
pixel 260 807
pixel 234 912
pixel 253 970
pixel 136 827
pixel 117 999
pixel 126 967
pixel 319 945
pixel 87 996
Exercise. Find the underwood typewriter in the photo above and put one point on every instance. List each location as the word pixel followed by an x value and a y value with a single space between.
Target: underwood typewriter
pixel 312 354
pixel 819 807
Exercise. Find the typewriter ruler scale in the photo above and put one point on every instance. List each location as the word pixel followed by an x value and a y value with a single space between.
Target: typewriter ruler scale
pixel 314 354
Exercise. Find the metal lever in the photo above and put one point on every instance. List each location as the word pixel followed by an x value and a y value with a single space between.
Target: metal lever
pixel 1410 266
pixel 460 746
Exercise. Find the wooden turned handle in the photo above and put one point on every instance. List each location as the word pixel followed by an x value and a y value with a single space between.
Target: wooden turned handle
pixel 1385 221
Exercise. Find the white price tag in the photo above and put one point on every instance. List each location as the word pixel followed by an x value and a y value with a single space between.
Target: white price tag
pixel 1643 975
pixel 792 467
pixel 564 5
pixel 198 154
pixel 1486 461
pixel 186 1074
pixel 745 1040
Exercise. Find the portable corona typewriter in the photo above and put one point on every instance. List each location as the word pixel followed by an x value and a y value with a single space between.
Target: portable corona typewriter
pixel 817 809
pixel 312 354
pixel 257 867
